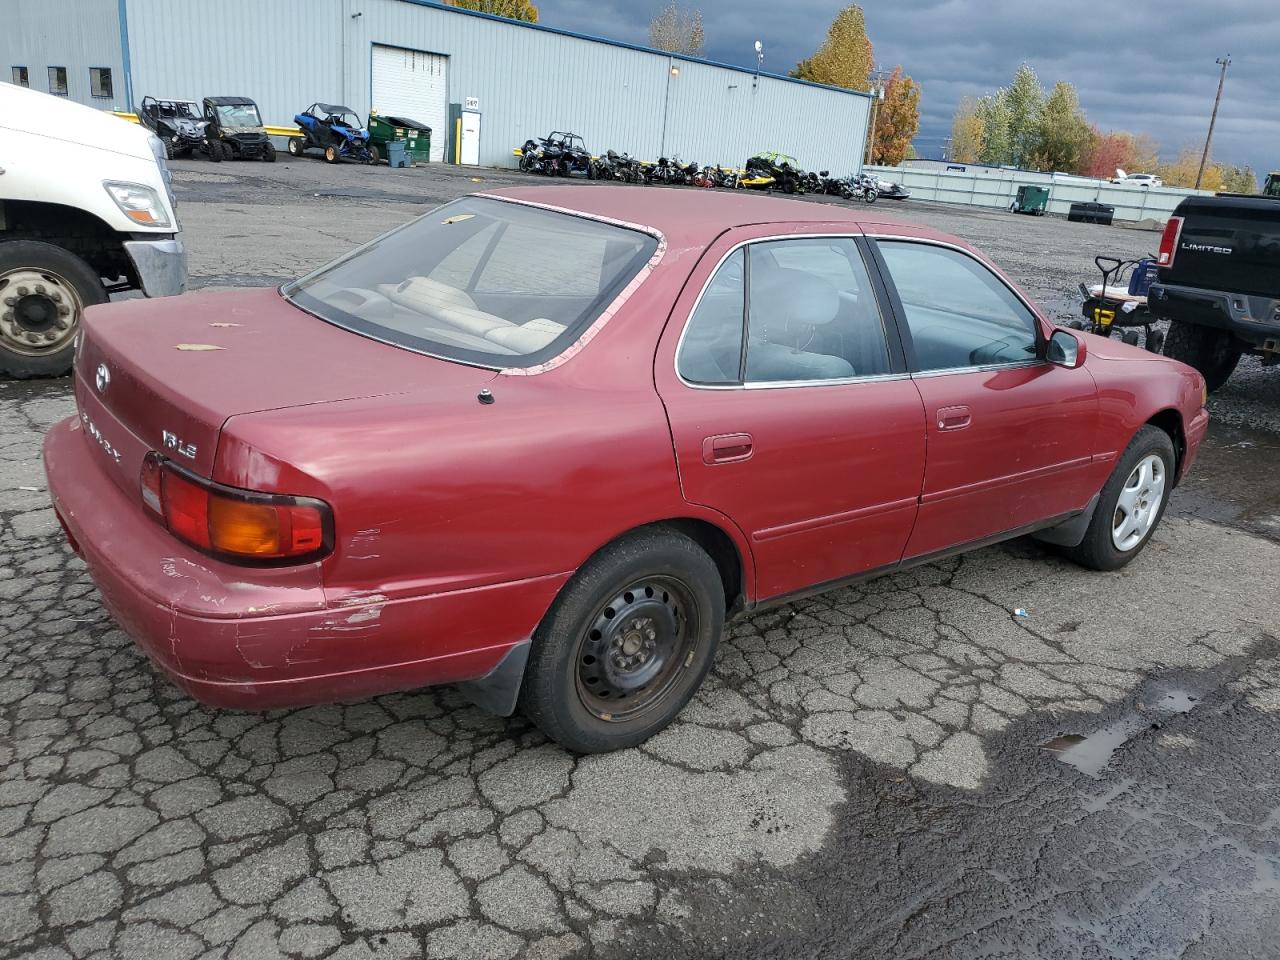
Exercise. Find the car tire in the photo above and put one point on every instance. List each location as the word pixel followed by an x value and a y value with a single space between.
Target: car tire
pixel 1214 353
pixel 626 644
pixel 169 151
pixel 374 155
pixel 213 150
pixel 1131 503
pixel 296 148
pixel 269 152
pixel 30 264
pixel 228 152
pixel 331 154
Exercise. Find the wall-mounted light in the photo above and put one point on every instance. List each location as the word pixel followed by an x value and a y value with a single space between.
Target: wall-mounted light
pixel 675 71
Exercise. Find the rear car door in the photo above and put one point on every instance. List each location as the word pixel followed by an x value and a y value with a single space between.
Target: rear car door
pixel 1010 435
pixel 790 409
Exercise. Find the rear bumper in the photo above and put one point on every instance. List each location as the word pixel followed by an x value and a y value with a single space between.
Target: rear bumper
pixel 161 265
pixel 250 645
pixel 1255 320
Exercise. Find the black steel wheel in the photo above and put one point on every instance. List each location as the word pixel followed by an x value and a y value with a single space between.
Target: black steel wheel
pixel 635 647
pixel 626 644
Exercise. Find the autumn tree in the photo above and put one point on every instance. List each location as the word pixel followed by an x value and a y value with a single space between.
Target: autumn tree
pixel 997 138
pixel 1182 171
pixel 845 57
pixel 677 30
pixel 967 141
pixel 1120 150
pixel 1024 104
pixel 1239 179
pixel 513 9
pixel 1063 138
pixel 897 119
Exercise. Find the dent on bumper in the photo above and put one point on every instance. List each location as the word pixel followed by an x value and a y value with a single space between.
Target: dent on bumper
pixel 161 265
pixel 230 641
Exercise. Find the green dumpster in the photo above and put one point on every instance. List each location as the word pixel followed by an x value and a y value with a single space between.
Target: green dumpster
pixel 1032 200
pixel 415 136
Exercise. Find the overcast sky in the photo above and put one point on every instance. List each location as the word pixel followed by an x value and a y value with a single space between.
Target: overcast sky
pixel 1141 66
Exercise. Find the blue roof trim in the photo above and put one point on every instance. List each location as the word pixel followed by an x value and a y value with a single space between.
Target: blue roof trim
pixel 633 46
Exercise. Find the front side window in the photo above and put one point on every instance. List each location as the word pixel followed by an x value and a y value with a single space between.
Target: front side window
pixel 20 77
pixel 958 312
pixel 481 281
pixel 810 315
pixel 58 81
pixel 100 82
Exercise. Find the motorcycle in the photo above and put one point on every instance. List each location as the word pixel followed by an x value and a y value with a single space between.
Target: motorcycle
pixel 863 187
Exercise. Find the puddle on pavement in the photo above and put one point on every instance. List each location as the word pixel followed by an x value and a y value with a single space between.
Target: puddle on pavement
pixel 1091 753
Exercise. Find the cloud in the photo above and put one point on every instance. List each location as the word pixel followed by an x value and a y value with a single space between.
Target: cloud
pixel 1148 69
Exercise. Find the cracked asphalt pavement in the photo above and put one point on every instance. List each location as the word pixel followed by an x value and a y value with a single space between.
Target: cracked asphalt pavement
pixel 907 768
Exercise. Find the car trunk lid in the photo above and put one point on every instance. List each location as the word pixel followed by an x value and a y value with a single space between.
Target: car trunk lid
pixel 167 374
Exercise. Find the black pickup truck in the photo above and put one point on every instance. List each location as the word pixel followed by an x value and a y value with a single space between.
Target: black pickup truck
pixel 1219 283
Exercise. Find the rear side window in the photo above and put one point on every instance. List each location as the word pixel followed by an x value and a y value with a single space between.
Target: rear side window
pixel 480 281
pixel 810 316
pixel 958 312
pixel 711 348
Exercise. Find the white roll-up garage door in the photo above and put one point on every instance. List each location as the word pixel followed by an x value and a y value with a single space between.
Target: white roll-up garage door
pixel 414 85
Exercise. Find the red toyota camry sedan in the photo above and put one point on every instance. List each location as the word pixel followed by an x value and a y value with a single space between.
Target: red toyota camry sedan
pixel 542 442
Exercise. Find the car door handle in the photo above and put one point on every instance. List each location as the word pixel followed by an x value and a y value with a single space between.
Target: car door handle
pixel 727 448
pixel 954 418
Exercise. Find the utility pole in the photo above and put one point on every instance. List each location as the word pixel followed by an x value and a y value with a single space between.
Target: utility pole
pixel 1223 62
pixel 877 94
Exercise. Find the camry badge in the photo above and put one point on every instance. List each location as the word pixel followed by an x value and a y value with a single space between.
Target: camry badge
pixel 102 379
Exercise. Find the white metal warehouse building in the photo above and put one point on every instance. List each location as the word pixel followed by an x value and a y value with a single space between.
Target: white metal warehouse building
pixel 415 57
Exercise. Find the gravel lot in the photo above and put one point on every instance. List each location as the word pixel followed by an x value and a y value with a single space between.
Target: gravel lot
pixel 865 774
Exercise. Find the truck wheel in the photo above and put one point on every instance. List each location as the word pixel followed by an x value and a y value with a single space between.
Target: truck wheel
pixel 213 150
pixel 374 156
pixel 269 152
pixel 331 154
pixel 43 292
pixel 228 152
pixel 295 147
pixel 1131 503
pixel 1212 352
pixel 626 644
pixel 169 152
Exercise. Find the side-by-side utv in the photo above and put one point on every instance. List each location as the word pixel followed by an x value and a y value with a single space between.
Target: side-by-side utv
pixel 236 125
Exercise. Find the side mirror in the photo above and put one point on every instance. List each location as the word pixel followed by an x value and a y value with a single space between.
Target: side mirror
pixel 1066 349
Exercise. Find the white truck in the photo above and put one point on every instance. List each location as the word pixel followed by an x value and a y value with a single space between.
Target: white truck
pixel 86 210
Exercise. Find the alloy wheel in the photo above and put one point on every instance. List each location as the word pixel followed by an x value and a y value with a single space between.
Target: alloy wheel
pixel 1139 503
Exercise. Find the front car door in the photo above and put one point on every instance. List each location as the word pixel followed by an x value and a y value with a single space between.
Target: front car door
pixel 790 408
pixel 1010 436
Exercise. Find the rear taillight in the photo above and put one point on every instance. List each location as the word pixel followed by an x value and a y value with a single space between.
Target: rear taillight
pixel 1169 241
pixel 241 526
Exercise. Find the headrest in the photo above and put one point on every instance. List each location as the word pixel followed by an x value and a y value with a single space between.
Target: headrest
pixel 784 300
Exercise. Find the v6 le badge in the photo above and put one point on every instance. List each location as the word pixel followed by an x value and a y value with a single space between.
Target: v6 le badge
pixel 173 442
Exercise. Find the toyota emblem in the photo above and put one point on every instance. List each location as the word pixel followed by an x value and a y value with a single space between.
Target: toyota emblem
pixel 102 379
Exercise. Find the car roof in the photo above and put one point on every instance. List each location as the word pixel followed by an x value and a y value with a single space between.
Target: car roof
pixel 688 218
pixel 229 101
pixel 334 108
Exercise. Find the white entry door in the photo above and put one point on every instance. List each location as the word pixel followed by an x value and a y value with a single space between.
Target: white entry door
pixel 413 85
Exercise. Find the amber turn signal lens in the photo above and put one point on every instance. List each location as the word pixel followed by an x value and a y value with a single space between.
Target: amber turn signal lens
pixel 236 524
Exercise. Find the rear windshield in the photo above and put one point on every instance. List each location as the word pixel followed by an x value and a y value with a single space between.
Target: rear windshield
pixel 480 281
